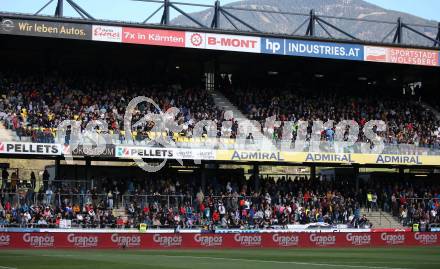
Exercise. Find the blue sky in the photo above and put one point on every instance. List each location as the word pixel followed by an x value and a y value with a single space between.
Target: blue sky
pixel 126 10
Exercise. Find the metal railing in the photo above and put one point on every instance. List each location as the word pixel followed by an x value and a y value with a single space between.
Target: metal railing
pixel 77 224
pixel 393 210
pixel 298 22
pixel 51 198
pixel 385 217
pixel 168 200
pixel 117 201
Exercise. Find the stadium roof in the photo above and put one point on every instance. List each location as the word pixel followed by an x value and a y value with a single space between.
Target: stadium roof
pixel 313 26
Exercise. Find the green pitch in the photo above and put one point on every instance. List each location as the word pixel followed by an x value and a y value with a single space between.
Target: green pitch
pixel 355 258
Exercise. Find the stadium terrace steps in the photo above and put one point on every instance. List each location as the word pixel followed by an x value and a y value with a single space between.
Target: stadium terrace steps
pixel 222 102
pixel 120 212
pixel 381 219
pixel 7 135
pixel 432 109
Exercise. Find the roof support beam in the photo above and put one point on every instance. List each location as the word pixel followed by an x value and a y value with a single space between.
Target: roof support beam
pixel 337 28
pixel 437 39
pixel 59 8
pixel 41 9
pixel 398 35
pixel 216 19
pixel 311 28
pixel 166 13
pixel 239 20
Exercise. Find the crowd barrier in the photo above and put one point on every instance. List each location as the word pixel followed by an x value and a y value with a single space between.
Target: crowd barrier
pixel 200 240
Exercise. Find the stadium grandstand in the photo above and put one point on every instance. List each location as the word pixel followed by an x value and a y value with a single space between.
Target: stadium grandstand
pixel 241 136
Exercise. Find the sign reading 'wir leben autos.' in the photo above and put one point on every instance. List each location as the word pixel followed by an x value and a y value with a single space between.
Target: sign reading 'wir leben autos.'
pixel 46 29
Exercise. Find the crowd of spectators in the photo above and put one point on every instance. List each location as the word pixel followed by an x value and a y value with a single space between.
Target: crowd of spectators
pixel 410 202
pixel 35 105
pixel 230 202
pixel 407 121
pixel 237 204
pixel 23 203
pixel 170 203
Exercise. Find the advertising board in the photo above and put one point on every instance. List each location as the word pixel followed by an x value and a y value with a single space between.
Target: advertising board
pixel 46 29
pixel 71 240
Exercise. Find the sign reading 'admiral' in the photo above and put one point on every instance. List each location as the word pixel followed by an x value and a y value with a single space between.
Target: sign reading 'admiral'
pixel 398 159
pixel 256 156
pixel 328 157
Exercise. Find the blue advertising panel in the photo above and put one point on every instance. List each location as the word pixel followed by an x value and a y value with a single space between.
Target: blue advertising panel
pixel 312 49
pixel 273 46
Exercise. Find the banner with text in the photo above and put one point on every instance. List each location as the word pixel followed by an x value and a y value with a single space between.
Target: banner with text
pixel 224 42
pixel 88 150
pixel 312 49
pixel 232 240
pixel 153 37
pixel 332 158
pixel 46 29
pixel 164 153
pixel 401 56
pixel 27 148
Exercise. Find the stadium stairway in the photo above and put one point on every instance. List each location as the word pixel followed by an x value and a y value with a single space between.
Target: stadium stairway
pixel 120 212
pixel 222 102
pixel 7 135
pixel 433 110
pixel 381 219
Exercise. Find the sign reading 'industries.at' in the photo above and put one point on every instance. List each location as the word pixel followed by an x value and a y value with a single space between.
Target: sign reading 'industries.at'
pixel 316 49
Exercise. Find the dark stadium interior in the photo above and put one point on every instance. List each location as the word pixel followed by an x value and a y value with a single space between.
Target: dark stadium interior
pixel 147 62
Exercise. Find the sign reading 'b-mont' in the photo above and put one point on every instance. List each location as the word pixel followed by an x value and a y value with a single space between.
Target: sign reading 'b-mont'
pixel 213 41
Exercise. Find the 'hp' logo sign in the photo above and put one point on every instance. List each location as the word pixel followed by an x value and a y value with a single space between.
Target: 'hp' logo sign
pixel 274 46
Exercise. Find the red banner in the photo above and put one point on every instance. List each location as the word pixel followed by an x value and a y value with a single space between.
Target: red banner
pixel 413 56
pixel 402 56
pixel 259 240
pixel 153 37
